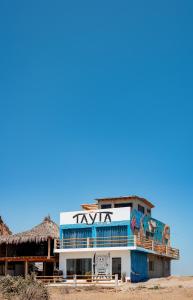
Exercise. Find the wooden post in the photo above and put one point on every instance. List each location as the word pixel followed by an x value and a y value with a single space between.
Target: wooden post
pixel 44 268
pixel 116 281
pixel 6 265
pixel 74 280
pixel 6 262
pixel 26 268
pixel 49 247
pixel 152 245
pixel 55 244
pixel 135 241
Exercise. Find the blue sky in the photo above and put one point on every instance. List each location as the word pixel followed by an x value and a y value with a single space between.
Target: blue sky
pixel 96 99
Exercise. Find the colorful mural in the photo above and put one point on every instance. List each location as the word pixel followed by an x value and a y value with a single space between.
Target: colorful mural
pixel 149 227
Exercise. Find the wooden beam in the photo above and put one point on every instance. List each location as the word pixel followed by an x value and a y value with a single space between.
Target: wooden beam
pixel 49 247
pixel 28 258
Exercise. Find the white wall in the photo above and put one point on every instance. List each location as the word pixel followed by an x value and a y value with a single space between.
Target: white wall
pixel 124 254
pixel 135 203
pixel 121 214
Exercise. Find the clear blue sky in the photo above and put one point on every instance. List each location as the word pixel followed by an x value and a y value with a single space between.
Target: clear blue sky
pixel 96 99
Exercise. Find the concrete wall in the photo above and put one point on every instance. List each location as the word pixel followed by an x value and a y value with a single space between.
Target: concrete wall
pixel 162 266
pixel 95 216
pixel 124 254
pixel 135 203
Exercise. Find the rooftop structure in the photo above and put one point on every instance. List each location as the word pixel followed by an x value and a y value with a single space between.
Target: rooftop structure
pixel 135 202
pixel 125 199
pixel 4 229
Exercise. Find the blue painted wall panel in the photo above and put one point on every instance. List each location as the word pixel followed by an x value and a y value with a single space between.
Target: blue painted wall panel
pixel 114 236
pixel 118 227
pixel 139 266
pixel 76 238
pixel 77 233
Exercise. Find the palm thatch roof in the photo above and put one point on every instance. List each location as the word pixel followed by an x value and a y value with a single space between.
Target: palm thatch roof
pixel 4 229
pixel 40 233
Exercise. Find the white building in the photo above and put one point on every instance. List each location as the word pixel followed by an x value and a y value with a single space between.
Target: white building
pixel 115 236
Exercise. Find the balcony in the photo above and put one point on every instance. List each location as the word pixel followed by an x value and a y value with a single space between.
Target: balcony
pixel 133 241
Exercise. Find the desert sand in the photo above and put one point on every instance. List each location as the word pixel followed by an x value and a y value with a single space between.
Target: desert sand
pixel 172 288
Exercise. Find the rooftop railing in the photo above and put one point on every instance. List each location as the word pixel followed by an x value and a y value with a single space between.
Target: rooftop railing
pixel 117 241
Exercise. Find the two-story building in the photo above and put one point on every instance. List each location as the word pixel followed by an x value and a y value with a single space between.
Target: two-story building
pixel 115 236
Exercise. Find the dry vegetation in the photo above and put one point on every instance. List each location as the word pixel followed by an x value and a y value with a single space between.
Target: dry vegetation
pixel 172 288
pixel 18 288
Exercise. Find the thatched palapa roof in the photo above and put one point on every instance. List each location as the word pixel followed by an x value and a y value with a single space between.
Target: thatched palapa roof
pixel 4 229
pixel 40 233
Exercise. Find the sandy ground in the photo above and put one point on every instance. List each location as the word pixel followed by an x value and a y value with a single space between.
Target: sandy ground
pixel 172 288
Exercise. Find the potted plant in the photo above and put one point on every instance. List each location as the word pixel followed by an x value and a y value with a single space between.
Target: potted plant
pixel 123 277
pixel 88 276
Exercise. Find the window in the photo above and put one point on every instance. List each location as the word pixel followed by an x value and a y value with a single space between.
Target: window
pixel 151 266
pixel 75 238
pixel 123 205
pixel 112 236
pixel 149 211
pixel 103 206
pixel 141 209
pixel 79 266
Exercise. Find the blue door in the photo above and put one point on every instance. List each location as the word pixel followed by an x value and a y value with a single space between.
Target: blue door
pixel 139 266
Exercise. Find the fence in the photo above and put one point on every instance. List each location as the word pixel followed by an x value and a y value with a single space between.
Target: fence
pixel 157 247
pixel 75 280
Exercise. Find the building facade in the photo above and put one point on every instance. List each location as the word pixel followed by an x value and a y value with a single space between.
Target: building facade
pixel 115 236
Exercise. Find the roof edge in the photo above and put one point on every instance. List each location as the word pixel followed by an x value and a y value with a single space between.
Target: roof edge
pixel 147 202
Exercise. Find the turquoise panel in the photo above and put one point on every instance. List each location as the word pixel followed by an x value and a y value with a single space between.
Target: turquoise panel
pixel 114 236
pixel 77 233
pixel 139 266
pixel 116 224
pixel 76 238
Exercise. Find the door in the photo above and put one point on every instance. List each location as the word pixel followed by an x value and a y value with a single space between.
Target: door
pixel 139 266
pixel 102 263
pixel 116 266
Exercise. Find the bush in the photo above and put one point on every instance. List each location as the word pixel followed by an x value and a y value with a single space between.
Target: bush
pixel 23 289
